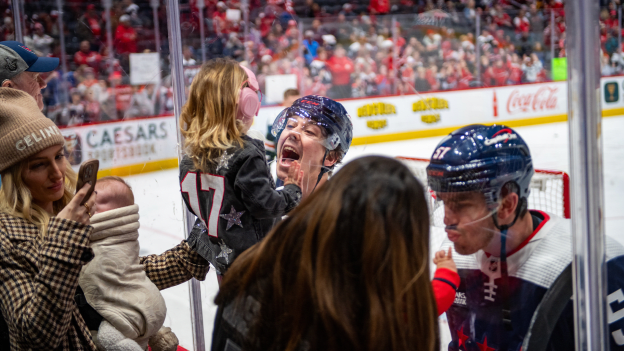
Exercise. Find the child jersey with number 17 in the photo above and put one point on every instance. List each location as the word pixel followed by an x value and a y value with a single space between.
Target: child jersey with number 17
pixel 236 200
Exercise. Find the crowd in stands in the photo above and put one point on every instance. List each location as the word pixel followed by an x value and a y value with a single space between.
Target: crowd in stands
pixel 341 50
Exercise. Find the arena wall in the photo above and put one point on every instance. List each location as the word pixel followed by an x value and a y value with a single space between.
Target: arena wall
pixel 149 144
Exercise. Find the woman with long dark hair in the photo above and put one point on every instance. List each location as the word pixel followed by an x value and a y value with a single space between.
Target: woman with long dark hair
pixel 347 270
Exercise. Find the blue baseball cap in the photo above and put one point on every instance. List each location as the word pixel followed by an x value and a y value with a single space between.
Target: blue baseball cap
pixel 16 58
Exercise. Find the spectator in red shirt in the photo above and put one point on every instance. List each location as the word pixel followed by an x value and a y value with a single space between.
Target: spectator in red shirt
pixel 432 77
pixel 500 74
pixel 263 24
pixel 610 19
pixel 557 6
pixel 521 22
pixel 125 37
pixel 515 69
pixel 341 68
pixel 89 26
pixel 487 71
pixel 561 27
pixel 379 7
pixel 465 77
pixel 500 17
pixel 87 57
pixel 125 41
pixel 221 11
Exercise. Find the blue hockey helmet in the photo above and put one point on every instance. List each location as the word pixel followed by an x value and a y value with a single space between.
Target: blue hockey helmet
pixel 481 158
pixel 326 113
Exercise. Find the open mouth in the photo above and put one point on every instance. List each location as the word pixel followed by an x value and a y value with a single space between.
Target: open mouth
pixel 289 154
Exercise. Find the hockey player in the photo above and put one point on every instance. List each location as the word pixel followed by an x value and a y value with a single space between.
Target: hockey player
pixel 316 132
pixel 508 255
pixel 224 178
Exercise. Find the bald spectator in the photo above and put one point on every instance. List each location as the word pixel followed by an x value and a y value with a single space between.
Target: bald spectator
pixel 22 68
pixel 85 56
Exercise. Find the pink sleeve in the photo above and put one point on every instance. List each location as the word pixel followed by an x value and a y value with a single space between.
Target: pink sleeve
pixel 445 283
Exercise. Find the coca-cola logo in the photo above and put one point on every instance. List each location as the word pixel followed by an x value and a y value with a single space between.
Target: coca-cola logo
pixel 544 99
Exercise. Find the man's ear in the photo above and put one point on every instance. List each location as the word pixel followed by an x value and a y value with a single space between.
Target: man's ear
pixel 507 210
pixel 331 158
pixel 7 83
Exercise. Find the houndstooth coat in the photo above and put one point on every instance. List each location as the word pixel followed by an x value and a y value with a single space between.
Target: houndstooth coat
pixel 38 281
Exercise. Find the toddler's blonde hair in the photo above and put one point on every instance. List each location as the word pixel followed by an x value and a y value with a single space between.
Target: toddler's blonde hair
pixel 208 121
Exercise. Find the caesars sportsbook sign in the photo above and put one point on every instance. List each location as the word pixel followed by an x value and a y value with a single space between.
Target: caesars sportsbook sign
pixel 123 143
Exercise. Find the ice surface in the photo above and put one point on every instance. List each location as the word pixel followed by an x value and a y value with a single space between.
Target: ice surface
pixel 160 204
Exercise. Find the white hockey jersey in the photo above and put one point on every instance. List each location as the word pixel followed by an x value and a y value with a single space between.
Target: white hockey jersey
pixel 475 318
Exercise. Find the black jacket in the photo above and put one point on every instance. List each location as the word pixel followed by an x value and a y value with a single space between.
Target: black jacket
pixel 235 200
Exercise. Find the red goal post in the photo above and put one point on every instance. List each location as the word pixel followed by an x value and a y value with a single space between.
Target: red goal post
pixel 550 190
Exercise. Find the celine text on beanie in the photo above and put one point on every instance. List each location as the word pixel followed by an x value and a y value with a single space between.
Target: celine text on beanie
pixel 24 130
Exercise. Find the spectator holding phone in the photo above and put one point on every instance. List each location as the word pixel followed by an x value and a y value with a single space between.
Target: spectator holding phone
pixel 45 235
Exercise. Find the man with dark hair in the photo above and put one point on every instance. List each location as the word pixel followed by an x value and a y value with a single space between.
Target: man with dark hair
pixel 316 132
pixel 508 256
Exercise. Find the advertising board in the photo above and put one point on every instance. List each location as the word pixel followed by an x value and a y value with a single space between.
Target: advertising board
pixel 141 145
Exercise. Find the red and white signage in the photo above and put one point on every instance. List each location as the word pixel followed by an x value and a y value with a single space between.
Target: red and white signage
pixel 136 141
pixel 532 100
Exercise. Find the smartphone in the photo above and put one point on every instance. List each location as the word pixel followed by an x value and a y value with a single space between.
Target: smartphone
pixel 87 174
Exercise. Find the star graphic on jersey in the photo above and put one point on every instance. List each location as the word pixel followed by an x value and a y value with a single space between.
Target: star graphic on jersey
pixel 462 337
pixel 223 161
pixel 225 252
pixel 233 218
pixel 484 346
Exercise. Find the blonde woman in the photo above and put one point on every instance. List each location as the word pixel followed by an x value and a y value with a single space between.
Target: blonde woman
pixel 45 235
pixel 224 178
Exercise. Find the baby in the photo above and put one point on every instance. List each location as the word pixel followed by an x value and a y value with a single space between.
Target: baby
pixel 115 283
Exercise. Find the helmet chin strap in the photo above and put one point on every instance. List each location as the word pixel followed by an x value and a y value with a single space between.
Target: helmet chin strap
pixel 504 287
pixel 322 171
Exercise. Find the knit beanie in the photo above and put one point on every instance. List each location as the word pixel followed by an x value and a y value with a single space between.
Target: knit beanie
pixel 24 130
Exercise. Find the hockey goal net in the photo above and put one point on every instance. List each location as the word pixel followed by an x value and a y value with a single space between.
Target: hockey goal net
pixel 550 190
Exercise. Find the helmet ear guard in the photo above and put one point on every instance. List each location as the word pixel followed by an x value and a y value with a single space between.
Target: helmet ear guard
pixel 521 207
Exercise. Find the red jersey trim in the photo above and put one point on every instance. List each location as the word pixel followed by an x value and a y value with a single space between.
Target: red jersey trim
pixel 447 274
pixel 526 241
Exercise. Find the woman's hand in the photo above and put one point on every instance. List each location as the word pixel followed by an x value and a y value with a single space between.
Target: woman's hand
pixel 80 213
pixel 295 175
